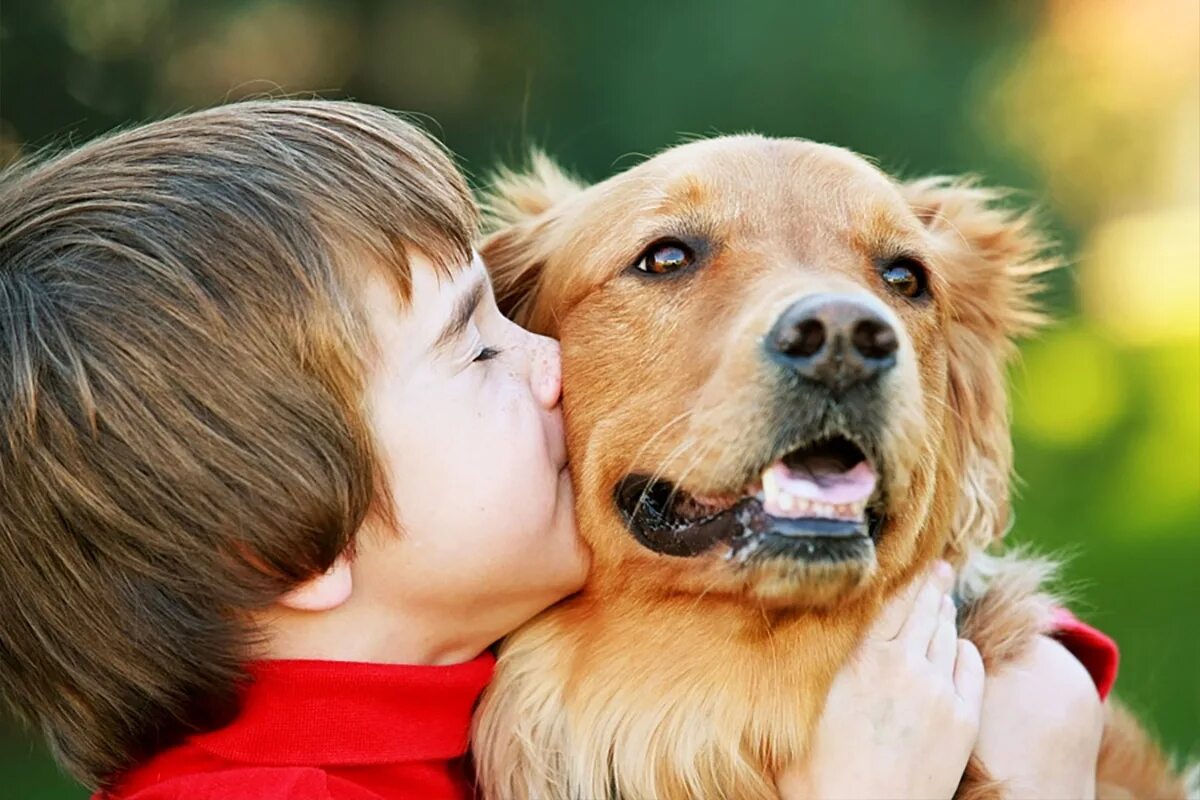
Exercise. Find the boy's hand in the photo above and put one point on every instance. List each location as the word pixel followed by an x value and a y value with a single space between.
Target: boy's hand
pixel 902 716
pixel 1042 723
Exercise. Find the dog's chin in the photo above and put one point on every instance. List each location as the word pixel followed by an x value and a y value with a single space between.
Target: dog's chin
pixel 799 584
pixel 803 562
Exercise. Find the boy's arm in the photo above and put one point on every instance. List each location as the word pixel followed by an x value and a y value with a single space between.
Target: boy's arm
pixel 1043 716
pixel 1042 723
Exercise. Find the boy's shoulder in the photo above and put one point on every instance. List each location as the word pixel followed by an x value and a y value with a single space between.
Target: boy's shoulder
pixel 327 730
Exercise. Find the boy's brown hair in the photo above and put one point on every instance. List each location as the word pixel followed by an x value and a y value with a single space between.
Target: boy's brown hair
pixel 182 361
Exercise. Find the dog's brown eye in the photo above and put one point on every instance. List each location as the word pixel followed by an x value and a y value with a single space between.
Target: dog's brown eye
pixel 666 256
pixel 906 276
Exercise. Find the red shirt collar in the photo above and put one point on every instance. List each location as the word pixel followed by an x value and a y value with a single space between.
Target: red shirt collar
pixel 307 713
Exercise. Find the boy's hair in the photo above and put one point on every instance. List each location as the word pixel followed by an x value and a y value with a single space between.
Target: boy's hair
pixel 182 364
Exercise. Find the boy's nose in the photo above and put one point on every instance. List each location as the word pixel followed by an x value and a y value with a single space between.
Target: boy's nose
pixel 546 375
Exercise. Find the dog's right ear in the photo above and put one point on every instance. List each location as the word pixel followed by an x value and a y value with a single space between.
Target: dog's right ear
pixel 990 258
pixel 519 212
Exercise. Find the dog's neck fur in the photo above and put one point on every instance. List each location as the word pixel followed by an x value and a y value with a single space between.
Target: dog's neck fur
pixel 784 670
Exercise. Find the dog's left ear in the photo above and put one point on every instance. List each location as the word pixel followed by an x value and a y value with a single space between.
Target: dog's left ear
pixel 520 209
pixel 987 262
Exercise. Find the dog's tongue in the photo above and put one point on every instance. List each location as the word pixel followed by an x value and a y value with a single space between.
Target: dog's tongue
pixel 823 480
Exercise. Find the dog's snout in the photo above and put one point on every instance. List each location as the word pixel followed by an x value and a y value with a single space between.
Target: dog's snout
pixel 835 340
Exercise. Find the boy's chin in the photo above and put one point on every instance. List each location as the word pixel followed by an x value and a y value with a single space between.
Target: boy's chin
pixel 559 580
pixel 572 574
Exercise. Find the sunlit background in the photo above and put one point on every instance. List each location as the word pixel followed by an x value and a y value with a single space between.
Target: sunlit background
pixel 1090 108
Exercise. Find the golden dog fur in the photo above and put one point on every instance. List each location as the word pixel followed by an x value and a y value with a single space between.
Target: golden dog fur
pixel 670 677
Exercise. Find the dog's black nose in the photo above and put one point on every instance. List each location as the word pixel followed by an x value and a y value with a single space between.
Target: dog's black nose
pixel 835 340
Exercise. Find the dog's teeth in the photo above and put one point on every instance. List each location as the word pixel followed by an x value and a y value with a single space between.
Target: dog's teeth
pixel 770 484
pixel 775 495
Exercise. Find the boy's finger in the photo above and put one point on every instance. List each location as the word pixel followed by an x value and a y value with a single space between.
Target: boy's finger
pixel 968 676
pixel 923 620
pixel 891 619
pixel 943 647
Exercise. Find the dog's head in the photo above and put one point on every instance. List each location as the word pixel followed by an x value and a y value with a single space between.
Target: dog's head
pixel 783 370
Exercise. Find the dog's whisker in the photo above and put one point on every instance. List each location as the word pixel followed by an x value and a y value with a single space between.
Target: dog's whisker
pixel 666 463
pixel 680 417
pixel 697 459
pixel 707 446
pixel 656 476
pixel 637 508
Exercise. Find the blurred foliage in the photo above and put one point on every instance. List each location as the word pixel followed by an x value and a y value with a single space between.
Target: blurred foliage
pixel 1090 107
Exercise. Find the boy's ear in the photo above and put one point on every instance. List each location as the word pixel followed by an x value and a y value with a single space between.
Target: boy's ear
pixel 519 212
pixel 325 592
pixel 987 262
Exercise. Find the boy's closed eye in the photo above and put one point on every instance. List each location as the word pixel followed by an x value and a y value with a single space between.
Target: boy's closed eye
pixel 463 314
pixel 488 353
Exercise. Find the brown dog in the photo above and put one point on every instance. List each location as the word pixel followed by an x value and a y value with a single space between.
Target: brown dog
pixel 784 391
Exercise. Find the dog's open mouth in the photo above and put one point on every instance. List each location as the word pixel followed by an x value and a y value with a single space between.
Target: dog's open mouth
pixel 816 502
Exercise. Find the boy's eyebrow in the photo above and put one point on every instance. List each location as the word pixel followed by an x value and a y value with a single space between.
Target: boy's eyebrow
pixel 464 309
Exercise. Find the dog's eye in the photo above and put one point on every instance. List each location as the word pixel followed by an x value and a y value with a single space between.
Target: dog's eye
pixel 666 256
pixel 906 276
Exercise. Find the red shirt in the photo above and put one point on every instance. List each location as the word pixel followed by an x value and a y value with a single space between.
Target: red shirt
pixel 333 730
pixel 1095 650
pixel 328 730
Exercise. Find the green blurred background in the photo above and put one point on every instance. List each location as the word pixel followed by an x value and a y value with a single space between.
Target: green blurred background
pixel 1090 107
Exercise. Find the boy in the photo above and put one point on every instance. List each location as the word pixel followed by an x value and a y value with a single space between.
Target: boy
pixel 276 472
